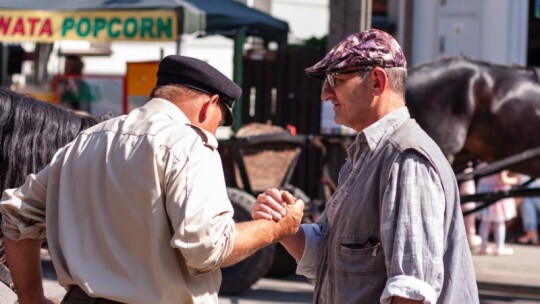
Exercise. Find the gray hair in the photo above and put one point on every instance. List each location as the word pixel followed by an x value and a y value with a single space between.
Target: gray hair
pixel 174 92
pixel 397 79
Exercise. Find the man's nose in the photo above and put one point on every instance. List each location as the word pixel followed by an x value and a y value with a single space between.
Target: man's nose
pixel 327 92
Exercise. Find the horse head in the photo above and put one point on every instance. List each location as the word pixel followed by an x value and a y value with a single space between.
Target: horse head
pixel 440 96
pixel 478 109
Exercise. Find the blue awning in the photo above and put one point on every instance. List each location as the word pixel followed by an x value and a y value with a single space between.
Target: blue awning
pixel 225 17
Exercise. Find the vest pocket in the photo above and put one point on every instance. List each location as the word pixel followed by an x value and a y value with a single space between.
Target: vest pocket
pixel 359 255
pixel 355 274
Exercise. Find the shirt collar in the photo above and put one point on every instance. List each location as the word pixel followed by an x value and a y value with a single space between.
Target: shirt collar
pixel 371 136
pixel 167 107
pixel 176 114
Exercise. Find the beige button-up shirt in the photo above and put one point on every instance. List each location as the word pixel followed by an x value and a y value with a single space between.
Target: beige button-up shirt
pixel 134 210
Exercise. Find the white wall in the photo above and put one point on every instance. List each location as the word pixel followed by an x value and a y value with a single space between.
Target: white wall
pixel 306 18
pixel 505 29
pixel 424 31
pixel 216 50
pixel 500 36
pixel 122 52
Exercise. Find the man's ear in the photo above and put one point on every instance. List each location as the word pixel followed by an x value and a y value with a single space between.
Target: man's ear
pixel 206 108
pixel 380 80
pixel 203 114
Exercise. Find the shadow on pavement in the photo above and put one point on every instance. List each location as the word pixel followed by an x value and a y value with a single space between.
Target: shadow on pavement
pixel 490 298
pixel 276 296
pixel 289 289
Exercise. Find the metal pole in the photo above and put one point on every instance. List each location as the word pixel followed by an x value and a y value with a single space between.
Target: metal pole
pixel 238 73
pixel 365 14
pixel 178 44
pixel 369 9
pixel 362 15
pixel 180 16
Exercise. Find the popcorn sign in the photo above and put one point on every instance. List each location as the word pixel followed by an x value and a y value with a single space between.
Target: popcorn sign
pixel 42 26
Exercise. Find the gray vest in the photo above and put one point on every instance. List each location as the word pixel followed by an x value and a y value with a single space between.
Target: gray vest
pixel 341 278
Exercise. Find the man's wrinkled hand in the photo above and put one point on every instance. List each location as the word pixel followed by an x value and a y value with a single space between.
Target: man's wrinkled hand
pixel 290 223
pixel 269 206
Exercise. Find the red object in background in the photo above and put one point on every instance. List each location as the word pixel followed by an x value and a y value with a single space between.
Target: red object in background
pixel 292 129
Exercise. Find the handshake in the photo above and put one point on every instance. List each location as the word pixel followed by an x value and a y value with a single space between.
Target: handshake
pixel 282 208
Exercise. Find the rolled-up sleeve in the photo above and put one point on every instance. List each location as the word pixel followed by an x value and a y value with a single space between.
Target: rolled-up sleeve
pixel 200 211
pixel 412 230
pixel 307 265
pixel 23 209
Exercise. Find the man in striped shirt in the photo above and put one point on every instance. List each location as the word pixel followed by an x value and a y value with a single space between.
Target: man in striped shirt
pixel 393 231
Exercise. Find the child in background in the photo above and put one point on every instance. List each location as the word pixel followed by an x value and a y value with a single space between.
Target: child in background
pixel 497 213
pixel 468 187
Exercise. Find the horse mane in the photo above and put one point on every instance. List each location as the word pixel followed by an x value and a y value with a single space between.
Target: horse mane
pixel 432 62
pixel 464 58
pixel 31 131
pixel 497 65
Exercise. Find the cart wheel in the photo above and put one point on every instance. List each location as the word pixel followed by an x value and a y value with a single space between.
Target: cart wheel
pixel 241 276
pixel 284 264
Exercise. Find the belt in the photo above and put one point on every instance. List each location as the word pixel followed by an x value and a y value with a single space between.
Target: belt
pixel 77 295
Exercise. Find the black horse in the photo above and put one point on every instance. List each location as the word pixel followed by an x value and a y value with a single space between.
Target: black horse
pixel 30 133
pixel 477 110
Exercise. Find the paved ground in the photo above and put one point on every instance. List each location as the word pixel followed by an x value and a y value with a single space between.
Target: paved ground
pixel 517 274
pixel 501 279
pixel 292 290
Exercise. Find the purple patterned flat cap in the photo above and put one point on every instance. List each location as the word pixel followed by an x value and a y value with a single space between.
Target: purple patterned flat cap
pixel 372 47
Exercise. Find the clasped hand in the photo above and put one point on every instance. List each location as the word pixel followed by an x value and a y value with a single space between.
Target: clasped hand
pixel 276 205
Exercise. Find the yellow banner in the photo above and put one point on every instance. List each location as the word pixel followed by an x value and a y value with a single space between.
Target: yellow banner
pixel 44 26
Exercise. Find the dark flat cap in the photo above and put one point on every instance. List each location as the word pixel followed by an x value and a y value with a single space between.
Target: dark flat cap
pixel 200 76
pixel 370 48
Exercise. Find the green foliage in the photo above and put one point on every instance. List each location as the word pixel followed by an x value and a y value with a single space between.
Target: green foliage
pixel 313 42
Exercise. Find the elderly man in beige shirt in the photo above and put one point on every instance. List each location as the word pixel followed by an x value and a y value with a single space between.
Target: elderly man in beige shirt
pixel 135 209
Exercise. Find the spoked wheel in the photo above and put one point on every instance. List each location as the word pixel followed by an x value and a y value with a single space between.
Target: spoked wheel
pixel 241 276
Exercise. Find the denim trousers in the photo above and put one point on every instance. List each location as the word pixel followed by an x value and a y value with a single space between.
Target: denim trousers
pixel 530 211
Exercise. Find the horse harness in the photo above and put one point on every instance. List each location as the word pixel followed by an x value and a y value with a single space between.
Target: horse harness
pixel 536 73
